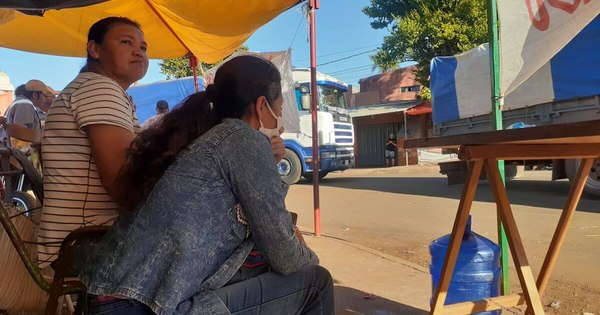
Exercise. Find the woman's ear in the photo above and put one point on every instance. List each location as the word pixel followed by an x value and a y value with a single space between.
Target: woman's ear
pixel 92 48
pixel 252 115
pixel 259 105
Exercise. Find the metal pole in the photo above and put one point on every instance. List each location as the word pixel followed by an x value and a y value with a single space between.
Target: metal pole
pixel 405 138
pixel 194 65
pixel 313 5
pixel 497 120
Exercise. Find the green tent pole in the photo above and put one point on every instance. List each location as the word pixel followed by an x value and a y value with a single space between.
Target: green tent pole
pixel 497 125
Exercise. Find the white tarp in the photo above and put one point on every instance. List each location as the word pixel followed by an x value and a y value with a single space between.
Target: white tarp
pixel 533 31
pixel 283 61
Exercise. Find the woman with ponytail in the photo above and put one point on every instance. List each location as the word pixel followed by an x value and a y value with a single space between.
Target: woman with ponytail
pixel 203 190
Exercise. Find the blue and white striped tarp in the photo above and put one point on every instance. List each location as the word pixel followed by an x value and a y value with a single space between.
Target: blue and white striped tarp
pixel 460 85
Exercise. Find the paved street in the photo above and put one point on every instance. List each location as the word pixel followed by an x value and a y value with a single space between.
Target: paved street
pixel 400 210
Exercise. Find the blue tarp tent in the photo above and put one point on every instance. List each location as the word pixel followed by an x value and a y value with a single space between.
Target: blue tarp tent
pixel 174 91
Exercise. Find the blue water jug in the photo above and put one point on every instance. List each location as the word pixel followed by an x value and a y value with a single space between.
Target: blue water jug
pixel 477 272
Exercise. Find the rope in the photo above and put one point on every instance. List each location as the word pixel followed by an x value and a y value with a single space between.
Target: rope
pixel 20 294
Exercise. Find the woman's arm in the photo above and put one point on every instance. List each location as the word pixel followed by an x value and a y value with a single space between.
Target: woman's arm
pixel 109 144
pixel 105 114
pixel 246 159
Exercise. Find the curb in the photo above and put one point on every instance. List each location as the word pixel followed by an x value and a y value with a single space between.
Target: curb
pixel 370 251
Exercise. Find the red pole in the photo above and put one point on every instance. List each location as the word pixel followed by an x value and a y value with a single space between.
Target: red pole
pixel 313 5
pixel 194 65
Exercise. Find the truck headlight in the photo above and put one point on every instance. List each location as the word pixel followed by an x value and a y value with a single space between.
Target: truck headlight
pixel 327 155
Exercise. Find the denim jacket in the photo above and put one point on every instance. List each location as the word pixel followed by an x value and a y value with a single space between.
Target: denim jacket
pixel 190 237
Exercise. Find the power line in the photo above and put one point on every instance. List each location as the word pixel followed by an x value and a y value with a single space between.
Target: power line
pixel 364 67
pixel 339 52
pixel 297 29
pixel 348 57
pixel 352 76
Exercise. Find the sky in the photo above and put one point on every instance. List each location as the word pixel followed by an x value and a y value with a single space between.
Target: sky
pixel 345 42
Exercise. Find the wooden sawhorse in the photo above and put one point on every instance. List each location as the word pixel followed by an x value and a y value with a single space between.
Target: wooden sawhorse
pixel 488 155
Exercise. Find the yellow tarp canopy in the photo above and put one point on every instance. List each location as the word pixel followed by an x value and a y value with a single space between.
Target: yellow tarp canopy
pixel 209 29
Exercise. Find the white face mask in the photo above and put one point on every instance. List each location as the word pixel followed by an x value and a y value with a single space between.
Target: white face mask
pixel 270 133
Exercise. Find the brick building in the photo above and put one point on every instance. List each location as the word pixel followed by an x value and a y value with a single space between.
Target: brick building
pixel 387 104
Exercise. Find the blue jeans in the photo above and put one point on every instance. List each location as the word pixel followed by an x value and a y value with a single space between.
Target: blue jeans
pixel 119 307
pixel 308 291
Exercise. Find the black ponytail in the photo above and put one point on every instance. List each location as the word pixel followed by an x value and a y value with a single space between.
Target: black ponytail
pixel 238 83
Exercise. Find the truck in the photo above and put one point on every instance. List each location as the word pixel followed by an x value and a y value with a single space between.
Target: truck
pixel 335 130
pixel 564 90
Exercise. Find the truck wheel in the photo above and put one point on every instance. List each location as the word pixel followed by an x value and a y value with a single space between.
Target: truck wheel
pixel 290 167
pixel 592 185
pixel 309 176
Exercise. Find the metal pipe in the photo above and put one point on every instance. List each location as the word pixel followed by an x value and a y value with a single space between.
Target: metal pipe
pixel 405 138
pixel 313 5
pixel 194 64
pixel 497 120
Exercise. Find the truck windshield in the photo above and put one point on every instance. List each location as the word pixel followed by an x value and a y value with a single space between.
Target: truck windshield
pixel 332 97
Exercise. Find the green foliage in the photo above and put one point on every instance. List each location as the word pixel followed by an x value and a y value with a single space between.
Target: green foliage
pixel 423 29
pixel 425 94
pixel 180 67
pixel 176 68
pixel 385 12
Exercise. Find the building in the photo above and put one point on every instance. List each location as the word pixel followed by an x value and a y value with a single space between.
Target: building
pixel 6 92
pixel 387 104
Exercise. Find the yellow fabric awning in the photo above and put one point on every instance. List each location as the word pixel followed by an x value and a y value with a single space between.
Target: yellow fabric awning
pixel 209 29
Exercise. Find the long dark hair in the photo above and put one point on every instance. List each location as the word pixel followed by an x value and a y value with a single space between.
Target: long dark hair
pixel 238 83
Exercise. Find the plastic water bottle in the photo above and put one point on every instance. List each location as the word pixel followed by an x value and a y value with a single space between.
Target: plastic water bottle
pixel 477 272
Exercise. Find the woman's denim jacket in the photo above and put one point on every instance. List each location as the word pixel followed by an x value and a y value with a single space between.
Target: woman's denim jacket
pixel 188 239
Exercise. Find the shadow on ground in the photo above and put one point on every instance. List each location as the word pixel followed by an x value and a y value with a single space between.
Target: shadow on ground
pixel 536 193
pixel 352 301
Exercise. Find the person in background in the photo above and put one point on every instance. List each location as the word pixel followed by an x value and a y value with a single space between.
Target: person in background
pixel 162 107
pixel 204 190
pixel 25 118
pixel 28 110
pixel 46 105
pixel 390 151
pixel 90 126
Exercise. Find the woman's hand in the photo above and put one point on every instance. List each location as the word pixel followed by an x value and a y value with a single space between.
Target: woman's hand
pixel 278 148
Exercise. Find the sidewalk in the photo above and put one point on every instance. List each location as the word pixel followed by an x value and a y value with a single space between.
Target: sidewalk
pixel 370 282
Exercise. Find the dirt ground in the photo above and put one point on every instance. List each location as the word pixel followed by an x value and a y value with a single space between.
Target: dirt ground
pixel 400 210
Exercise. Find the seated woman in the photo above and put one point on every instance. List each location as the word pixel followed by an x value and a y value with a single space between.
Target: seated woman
pixel 205 189
pixel 90 126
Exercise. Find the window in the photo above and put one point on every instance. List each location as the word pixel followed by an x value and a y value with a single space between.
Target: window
pixel 412 88
pixel 330 96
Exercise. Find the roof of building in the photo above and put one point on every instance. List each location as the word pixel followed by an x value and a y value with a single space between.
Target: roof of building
pixel 383 108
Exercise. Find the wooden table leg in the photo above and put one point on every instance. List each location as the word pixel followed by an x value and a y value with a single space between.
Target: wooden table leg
pixel 458 230
pixel 514 239
pixel 563 224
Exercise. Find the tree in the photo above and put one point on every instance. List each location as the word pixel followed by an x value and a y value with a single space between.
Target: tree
pixel 423 29
pixel 180 67
pixel 385 12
